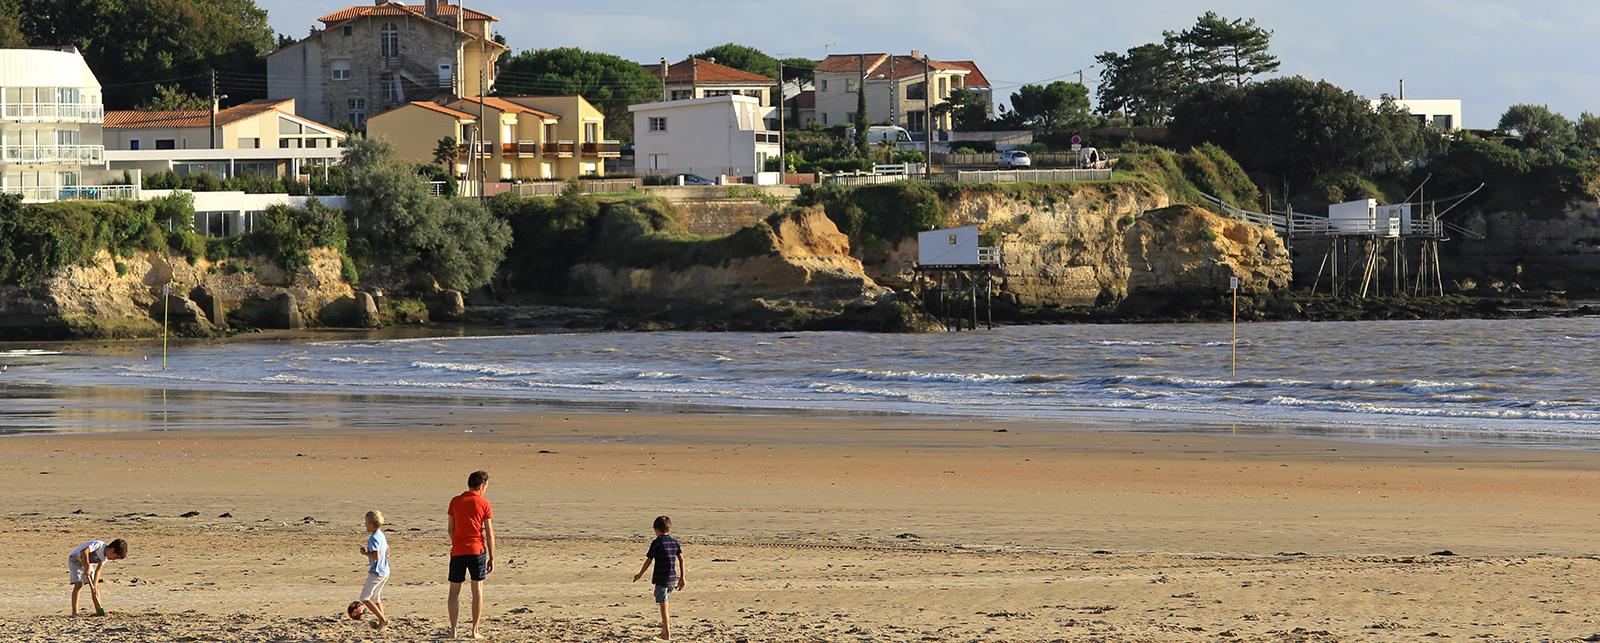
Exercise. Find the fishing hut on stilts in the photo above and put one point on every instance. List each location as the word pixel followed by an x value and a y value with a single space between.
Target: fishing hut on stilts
pixel 955 277
pixel 1370 248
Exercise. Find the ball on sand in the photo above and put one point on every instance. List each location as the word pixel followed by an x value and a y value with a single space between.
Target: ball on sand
pixel 356 610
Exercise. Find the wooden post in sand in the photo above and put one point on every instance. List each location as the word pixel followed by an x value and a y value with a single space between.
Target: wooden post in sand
pixel 1233 285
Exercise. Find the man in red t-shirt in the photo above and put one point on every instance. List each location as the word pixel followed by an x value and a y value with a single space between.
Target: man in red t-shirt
pixel 471 547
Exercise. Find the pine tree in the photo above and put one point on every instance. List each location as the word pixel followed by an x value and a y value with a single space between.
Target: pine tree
pixel 1217 49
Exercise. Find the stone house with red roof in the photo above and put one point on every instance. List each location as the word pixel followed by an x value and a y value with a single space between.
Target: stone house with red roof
pixel 369 58
pixel 900 88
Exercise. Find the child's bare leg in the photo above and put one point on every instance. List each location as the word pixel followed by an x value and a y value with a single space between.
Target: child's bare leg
pixel 76 587
pixel 455 607
pixel 666 623
pixel 377 610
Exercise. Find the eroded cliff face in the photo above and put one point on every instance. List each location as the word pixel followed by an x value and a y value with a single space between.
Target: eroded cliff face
pixel 1557 251
pixel 1061 247
pixel 809 263
pixel 95 301
pixel 1184 251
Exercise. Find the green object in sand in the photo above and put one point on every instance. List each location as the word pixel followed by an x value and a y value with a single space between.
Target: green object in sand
pixel 99 611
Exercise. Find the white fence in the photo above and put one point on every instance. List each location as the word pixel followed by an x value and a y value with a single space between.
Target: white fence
pixel 1018 176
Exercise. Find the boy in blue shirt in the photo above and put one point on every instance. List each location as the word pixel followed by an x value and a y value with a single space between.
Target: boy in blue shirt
pixel 668 558
pixel 377 552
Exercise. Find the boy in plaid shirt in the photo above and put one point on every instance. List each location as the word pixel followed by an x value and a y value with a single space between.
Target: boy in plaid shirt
pixel 668 558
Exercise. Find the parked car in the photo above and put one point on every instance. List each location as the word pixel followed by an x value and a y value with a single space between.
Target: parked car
pixel 695 179
pixel 1013 159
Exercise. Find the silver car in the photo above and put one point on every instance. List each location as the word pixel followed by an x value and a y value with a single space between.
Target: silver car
pixel 1013 159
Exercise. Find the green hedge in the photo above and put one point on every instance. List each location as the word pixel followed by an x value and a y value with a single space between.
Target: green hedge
pixel 42 238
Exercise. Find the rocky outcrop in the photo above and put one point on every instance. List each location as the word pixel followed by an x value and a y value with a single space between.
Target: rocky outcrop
pixel 1184 251
pixel 122 297
pixel 1556 251
pixel 809 263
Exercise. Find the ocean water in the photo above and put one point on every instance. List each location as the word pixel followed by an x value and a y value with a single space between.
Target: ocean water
pixel 1523 377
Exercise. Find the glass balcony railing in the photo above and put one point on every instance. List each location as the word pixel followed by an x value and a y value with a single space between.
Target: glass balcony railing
pixel 52 112
pixel 68 154
pixel 73 192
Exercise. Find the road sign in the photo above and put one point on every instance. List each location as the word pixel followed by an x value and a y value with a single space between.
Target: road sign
pixel 1077 140
pixel 1233 283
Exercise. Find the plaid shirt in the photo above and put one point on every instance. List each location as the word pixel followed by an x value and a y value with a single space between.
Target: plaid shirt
pixel 665 550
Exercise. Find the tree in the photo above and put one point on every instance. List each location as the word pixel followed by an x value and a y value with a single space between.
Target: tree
pixel 609 82
pixel 1143 84
pixel 1217 49
pixel 1589 135
pixel 11 35
pixel 741 57
pixel 1296 129
pixel 861 115
pixel 137 42
pixel 401 225
pixel 171 98
pixel 1542 131
pixel 1057 106
pixel 969 109
pixel 444 153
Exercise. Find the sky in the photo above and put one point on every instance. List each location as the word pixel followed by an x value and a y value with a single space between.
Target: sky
pixel 1491 54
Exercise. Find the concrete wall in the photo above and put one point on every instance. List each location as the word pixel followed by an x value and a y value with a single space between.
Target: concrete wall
pixel 708 137
pixel 414 131
pixel 296 72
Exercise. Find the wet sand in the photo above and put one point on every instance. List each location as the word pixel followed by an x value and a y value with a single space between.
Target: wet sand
pixel 806 529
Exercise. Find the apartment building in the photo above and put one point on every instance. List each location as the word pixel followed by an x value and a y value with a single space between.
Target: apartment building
pixel 717 136
pixel 371 58
pixel 50 128
pixel 257 138
pixel 899 89
pixel 523 137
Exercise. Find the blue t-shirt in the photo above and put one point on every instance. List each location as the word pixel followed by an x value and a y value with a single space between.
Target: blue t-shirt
pixel 378 543
pixel 665 550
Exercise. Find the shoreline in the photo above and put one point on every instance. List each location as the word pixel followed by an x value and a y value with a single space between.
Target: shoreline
pixel 889 529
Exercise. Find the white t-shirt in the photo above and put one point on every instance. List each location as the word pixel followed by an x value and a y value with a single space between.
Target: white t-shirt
pixel 96 549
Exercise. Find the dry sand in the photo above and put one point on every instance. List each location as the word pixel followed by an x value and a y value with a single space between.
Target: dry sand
pixel 809 529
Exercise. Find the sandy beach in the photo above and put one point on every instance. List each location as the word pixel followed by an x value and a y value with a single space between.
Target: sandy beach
pixel 808 529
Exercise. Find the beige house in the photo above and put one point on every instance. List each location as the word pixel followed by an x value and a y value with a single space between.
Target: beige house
pixel 370 58
pixel 900 89
pixel 697 78
pixel 261 138
pixel 524 137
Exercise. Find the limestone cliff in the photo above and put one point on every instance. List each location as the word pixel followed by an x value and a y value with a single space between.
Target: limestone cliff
pixel 121 297
pixel 808 261
pixel 1558 250
pixel 1186 251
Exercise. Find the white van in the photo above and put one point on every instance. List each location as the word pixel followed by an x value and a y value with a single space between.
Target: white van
pixel 881 134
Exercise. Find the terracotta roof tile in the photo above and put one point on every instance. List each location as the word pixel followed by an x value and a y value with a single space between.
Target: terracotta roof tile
pixel 805 100
pixel 974 79
pixel 398 9
pixel 850 62
pixel 135 119
pixel 705 71
pixel 504 105
pixel 432 107
pixel 882 65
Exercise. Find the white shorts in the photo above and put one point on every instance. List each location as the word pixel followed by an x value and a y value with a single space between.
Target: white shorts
pixel 373 590
pixel 77 575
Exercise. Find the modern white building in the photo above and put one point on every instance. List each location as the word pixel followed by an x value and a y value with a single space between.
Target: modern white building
pixel 710 137
pixel 1438 113
pixel 50 128
pixel 228 214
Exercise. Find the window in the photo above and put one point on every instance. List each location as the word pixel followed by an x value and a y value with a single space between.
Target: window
pixel 917 91
pixel 824 86
pixel 944 88
pixel 249 143
pixel 658 123
pixel 389 87
pixel 166 144
pixel 1444 121
pixel 850 85
pixel 953 240
pixel 850 117
pixel 824 118
pixel 658 161
pixel 286 126
pixel 591 132
pixel 389 40
pixel 347 30
pixel 341 70
pixel 133 144
pixel 682 94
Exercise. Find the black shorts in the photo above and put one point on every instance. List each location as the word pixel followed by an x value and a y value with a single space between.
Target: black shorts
pixel 478 564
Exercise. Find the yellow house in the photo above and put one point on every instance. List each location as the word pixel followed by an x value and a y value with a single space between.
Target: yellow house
pixel 524 137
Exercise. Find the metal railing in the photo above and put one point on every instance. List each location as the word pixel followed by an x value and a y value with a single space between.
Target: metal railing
pixel 1016 176
pixel 484 149
pixel 603 148
pixel 520 148
pixel 73 192
pixel 77 154
pixel 564 148
pixel 47 112
pixel 587 186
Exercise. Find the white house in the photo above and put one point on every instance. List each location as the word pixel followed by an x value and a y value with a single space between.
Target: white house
pixel 721 135
pixel 50 128
pixel 1438 113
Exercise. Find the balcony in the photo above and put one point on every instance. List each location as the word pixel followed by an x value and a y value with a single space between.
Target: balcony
pixel 519 148
pixel 485 149
pixel 562 149
pixel 52 113
pixel 73 192
pixel 603 149
pixel 54 154
pixel 769 137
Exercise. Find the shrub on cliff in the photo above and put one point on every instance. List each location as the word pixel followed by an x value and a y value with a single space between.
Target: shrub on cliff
pixel 38 239
pixel 877 214
pixel 288 234
pixel 395 221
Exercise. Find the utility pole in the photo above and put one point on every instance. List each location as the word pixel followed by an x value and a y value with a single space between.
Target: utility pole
pixel 483 79
pixel 894 93
pixel 927 134
pixel 213 109
pixel 783 143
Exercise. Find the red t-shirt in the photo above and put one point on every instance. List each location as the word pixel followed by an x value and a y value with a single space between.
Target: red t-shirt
pixel 470 510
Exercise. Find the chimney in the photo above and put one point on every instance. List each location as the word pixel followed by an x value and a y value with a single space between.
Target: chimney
pixel 917 54
pixel 694 77
pixel 1402 89
pixel 711 59
pixel 430 8
pixel 665 70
